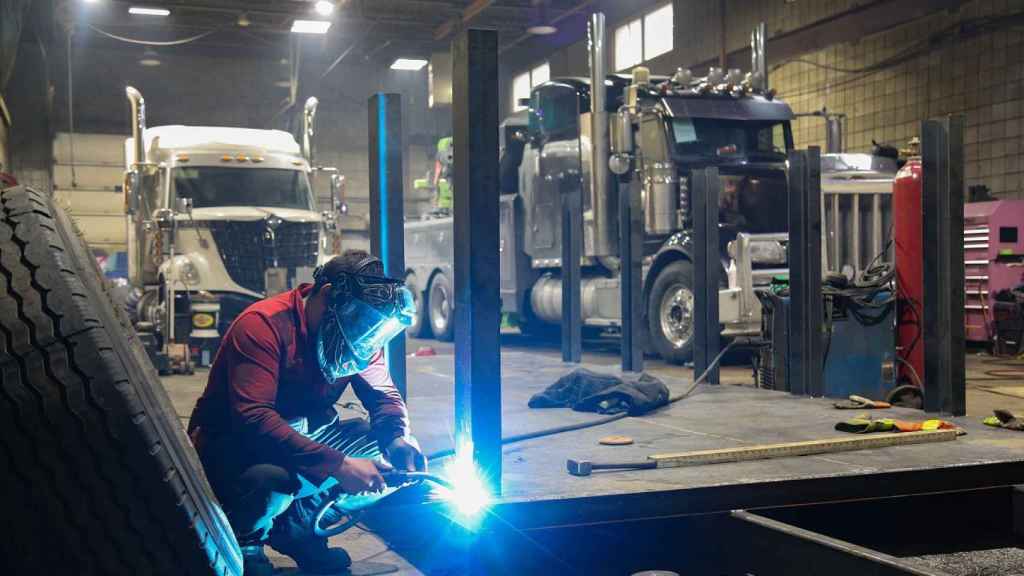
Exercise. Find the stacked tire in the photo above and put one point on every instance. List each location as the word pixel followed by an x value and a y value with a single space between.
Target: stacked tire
pixel 98 475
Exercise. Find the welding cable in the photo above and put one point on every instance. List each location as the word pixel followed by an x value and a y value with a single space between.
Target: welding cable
pixel 599 421
pixel 178 42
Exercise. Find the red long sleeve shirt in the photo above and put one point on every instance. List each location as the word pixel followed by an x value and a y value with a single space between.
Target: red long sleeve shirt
pixel 266 373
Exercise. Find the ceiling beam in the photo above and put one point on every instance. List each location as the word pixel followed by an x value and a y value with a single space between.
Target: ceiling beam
pixel 471 11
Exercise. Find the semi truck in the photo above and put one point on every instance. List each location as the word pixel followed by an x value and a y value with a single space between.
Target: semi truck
pixel 725 119
pixel 217 218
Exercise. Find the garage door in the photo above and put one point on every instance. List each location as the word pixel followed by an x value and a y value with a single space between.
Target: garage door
pixel 90 192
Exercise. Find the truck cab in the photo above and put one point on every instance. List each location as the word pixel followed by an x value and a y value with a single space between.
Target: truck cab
pixel 218 218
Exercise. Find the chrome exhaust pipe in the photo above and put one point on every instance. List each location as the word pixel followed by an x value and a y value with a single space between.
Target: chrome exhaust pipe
pixel 309 128
pixel 138 121
pixel 602 205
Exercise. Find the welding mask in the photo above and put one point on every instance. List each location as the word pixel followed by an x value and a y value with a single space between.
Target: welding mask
pixel 365 311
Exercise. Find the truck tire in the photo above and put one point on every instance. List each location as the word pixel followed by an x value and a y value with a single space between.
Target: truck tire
pixel 101 478
pixel 670 313
pixel 419 328
pixel 439 303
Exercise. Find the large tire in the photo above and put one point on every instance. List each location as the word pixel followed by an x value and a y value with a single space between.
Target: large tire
pixel 99 475
pixel 440 301
pixel 420 327
pixel 670 313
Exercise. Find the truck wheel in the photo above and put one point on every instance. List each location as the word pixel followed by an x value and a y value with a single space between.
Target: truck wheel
pixel 419 327
pixel 100 475
pixel 439 303
pixel 670 313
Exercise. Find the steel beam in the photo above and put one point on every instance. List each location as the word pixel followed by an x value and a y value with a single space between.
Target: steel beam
pixel 804 364
pixel 780 548
pixel 631 253
pixel 475 100
pixel 942 210
pixel 707 331
pixel 387 198
pixel 572 239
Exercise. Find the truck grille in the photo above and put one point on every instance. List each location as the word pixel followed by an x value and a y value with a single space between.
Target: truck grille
pixel 249 248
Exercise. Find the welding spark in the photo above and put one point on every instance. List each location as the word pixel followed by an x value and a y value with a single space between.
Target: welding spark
pixel 469 495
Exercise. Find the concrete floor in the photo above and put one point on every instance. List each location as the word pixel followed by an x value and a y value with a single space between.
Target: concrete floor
pixel 365 547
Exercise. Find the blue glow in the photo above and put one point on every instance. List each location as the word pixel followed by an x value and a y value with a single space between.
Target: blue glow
pixel 469 496
pixel 382 176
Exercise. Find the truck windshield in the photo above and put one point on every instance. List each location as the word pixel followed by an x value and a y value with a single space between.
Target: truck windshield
pixel 728 138
pixel 217 186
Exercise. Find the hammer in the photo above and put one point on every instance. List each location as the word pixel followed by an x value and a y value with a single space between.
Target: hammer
pixel 585 467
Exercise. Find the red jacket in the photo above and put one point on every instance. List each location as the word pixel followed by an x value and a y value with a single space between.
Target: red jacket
pixel 266 373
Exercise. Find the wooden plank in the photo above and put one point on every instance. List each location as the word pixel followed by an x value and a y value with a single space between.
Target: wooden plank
pixel 805 448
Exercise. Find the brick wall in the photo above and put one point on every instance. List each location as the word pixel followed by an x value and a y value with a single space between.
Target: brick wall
pixel 980 74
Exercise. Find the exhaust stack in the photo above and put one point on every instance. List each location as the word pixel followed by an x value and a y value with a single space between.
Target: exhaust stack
pixel 601 202
pixel 309 128
pixel 758 62
pixel 138 120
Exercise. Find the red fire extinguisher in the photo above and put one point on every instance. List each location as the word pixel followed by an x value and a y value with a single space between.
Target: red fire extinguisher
pixel 908 233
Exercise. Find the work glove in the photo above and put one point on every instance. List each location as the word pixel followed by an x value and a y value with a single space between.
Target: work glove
pixel 404 454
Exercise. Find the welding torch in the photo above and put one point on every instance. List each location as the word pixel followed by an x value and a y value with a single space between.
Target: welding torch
pixel 392 478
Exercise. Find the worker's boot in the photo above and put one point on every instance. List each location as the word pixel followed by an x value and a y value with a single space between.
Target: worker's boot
pixel 313 556
pixel 255 562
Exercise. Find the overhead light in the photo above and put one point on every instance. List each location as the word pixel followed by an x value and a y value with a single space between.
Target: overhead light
pixel 283 83
pixel 324 7
pixel 408 64
pixel 540 21
pixel 542 30
pixel 144 11
pixel 311 26
pixel 91 1
pixel 243 20
pixel 149 58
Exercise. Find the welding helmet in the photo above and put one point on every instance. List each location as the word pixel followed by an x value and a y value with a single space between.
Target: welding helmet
pixel 365 310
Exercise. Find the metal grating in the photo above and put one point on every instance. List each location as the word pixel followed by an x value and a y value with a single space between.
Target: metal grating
pixel 248 249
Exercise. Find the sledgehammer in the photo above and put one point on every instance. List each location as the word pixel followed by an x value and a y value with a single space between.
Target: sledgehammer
pixel 585 467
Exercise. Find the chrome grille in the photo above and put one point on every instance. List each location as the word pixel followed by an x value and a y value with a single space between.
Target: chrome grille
pixel 248 249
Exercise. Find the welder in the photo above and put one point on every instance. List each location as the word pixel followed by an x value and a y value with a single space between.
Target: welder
pixel 266 427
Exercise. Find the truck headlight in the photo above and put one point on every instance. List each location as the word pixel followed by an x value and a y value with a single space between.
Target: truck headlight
pixel 767 252
pixel 188 272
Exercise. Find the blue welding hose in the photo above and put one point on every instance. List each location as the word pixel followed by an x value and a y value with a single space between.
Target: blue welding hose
pixel 599 421
pixel 394 478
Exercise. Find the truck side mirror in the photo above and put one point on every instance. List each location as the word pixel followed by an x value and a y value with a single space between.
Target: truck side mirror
pixel 338 193
pixel 183 205
pixel 621 143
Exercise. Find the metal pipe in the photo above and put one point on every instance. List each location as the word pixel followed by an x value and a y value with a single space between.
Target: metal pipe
pixel 605 233
pixel 309 127
pixel 138 121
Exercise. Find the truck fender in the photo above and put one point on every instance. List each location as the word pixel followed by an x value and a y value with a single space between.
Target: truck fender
pixel 679 246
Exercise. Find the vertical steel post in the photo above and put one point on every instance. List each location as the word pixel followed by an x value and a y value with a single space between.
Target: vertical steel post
pixel 707 262
pixel 631 246
pixel 572 238
pixel 805 362
pixel 475 100
pixel 387 237
pixel 942 207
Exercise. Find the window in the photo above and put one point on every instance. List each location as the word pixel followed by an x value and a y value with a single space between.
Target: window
pixel 629 45
pixel 555 112
pixel 523 83
pixel 725 138
pixel 658 32
pixel 215 186
pixel 644 38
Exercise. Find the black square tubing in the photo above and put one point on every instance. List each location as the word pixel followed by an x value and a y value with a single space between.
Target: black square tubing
pixel 806 348
pixel 387 236
pixel 631 246
pixel 707 333
pixel 572 238
pixel 475 98
pixel 942 211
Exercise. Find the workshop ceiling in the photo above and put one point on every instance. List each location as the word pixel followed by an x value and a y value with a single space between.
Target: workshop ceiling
pixel 373 28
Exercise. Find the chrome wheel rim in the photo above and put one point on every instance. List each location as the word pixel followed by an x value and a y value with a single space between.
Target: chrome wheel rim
pixel 677 315
pixel 440 308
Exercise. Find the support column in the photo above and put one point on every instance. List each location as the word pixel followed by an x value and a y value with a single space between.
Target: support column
pixel 477 301
pixel 707 262
pixel 572 238
pixel 387 236
pixel 942 207
pixel 805 362
pixel 631 254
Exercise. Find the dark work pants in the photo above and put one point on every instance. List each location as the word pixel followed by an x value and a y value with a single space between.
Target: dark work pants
pixel 259 498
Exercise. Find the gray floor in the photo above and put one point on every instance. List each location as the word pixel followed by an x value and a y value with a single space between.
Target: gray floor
pixel 716 417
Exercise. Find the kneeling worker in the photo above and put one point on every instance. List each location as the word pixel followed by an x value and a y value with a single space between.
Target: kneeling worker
pixel 266 429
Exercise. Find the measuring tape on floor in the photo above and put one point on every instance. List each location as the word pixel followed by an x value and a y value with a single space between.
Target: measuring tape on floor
pixel 805 448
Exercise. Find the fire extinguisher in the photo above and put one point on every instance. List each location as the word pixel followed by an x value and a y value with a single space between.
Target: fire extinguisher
pixel 908 234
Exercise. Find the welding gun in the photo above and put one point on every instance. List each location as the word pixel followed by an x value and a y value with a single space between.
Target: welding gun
pixel 392 479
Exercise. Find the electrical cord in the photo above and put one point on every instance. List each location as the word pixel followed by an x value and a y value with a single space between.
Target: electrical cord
pixel 155 42
pixel 601 421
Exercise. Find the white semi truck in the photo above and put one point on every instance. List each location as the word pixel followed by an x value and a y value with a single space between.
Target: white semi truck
pixel 217 218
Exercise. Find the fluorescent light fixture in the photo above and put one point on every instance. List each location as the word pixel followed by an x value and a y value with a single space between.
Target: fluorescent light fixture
pixel 149 58
pixel 408 64
pixel 324 7
pixel 542 30
pixel 145 11
pixel 311 26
